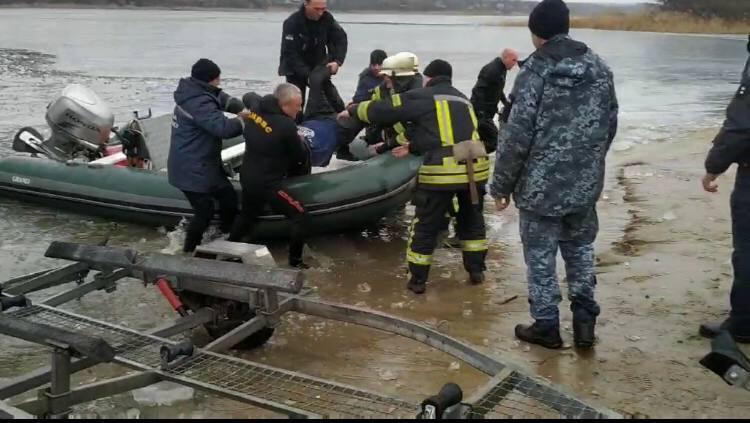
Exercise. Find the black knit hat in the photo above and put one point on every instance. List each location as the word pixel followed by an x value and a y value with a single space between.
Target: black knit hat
pixel 205 70
pixel 437 68
pixel 377 57
pixel 549 18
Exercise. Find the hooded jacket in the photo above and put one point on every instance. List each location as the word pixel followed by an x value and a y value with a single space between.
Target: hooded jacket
pixel 198 128
pixel 551 154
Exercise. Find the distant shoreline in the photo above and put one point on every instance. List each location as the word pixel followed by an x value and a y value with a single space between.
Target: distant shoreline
pixel 664 22
pixel 250 9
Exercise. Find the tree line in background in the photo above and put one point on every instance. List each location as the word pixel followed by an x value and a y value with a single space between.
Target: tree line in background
pixel 731 9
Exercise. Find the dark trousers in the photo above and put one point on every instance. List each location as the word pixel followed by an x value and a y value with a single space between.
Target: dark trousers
pixel 740 296
pixel 323 98
pixel 432 211
pixel 301 83
pixel 573 235
pixel 254 201
pixel 203 212
pixel 488 132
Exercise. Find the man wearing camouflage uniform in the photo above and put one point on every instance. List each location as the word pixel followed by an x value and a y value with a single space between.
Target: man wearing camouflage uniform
pixel 732 145
pixel 551 158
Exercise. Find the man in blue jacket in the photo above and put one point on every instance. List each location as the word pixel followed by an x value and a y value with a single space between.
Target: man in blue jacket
pixel 194 164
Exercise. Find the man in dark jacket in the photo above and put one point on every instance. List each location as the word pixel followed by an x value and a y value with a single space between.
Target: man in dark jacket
pixel 311 37
pixel 732 145
pixel 488 92
pixel 273 151
pixel 440 117
pixel 370 77
pixel 194 164
pixel 551 158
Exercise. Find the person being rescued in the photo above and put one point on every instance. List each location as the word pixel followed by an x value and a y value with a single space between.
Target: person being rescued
pixel 400 74
pixel 273 152
pixel 324 134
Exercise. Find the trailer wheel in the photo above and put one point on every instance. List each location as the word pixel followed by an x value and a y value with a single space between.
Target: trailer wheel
pixel 231 314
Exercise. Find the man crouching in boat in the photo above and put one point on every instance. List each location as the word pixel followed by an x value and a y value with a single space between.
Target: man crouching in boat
pixel 273 152
pixel 194 164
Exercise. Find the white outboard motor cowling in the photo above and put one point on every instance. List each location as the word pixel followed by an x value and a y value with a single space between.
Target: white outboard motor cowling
pixel 80 122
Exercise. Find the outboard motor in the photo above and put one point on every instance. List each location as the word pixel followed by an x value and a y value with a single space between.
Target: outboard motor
pixel 80 122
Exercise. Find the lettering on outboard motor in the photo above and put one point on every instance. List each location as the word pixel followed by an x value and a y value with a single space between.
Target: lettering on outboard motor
pixel 78 120
pixel 20 180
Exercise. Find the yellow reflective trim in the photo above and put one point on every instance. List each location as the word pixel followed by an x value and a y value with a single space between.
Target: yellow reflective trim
pixel 449 123
pixel 449 165
pixel 441 122
pixel 362 111
pixel 400 133
pixel 452 179
pixel 479 245
pixel 376 94
pixel 475 133
pixel 455 204
pixel 396 98
pixel 411 234
pixel 418 259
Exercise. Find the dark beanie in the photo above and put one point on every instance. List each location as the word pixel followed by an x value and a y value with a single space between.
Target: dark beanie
pixel 377 57
pixel 437 68
pixel 549 18
pixel 205 70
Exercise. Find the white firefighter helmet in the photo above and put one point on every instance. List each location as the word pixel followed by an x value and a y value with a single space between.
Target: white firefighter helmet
pixel 401 64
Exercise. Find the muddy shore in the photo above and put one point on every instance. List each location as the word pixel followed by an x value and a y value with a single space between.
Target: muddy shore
pixel 663 264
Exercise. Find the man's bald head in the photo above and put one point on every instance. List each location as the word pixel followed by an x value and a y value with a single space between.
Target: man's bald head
pixel 509 57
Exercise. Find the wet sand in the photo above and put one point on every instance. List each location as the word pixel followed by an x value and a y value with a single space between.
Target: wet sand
pixel 663 264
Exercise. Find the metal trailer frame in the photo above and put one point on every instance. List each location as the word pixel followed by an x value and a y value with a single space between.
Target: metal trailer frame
pixel 272 292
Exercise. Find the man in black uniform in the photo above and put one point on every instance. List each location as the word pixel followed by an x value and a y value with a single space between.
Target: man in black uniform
pixel 732 145
pixel 439 117
pixel 311 37
pixel 273 151
pixel 488 92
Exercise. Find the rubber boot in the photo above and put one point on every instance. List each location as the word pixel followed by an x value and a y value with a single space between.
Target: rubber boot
pixel 584 335
pixel 295 256
pixel 476 278
pixel 713 329
pixel 546 334
pixel 417 286
pixel 343 153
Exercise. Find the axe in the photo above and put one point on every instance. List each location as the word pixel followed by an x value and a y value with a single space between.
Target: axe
pixel 468 151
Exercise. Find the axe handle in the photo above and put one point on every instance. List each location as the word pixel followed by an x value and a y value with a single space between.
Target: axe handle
pixel 472 182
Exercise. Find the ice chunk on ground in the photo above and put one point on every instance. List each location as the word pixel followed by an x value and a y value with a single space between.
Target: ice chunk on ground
pixel 163 394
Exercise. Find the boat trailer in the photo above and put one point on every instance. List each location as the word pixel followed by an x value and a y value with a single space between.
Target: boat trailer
pixel 237 301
